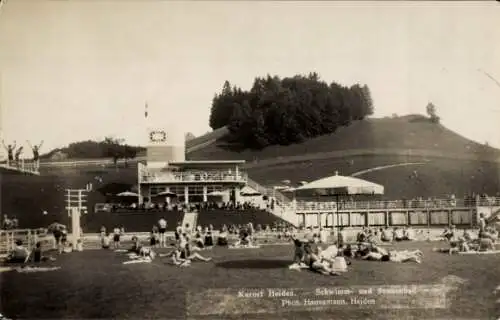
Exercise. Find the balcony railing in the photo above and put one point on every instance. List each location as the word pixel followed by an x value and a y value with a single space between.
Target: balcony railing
pixel 305 206
pixel 218 176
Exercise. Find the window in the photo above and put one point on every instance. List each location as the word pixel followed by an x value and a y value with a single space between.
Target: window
pixel 157 189
pixel 214 188
pixel 195 190
pixel 178 190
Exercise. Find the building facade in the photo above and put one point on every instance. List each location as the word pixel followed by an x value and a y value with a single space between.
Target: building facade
pixel 166 176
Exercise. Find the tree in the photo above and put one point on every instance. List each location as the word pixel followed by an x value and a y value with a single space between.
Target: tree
pixel 288 110
pixel 367 99
pixel 432 113
pixel 189 136
pixel 222 107
pixel 113 149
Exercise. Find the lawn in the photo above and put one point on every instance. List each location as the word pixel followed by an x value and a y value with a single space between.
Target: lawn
pixel 95 284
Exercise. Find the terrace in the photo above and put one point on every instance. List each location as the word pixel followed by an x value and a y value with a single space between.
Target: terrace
pixel 190 172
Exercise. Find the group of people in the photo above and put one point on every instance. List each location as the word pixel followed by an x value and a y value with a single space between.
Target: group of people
pixel 374 235
pixel 175 206
pixel 21 254
pixel 186 249
pixel 465 243
pixel 309 253
pixel 9 223
pixel 14 153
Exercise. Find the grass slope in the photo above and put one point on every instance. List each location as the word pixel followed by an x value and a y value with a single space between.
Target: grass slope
pixel 453 165
pixel 95 284
pixel 403 133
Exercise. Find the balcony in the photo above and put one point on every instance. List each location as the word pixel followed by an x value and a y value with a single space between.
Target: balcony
pixel 193 176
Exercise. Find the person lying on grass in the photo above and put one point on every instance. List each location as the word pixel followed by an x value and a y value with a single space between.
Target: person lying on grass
pixel 310 255
pixel 316 261
pixel 244 242
pixel 182 256
pixel 375 253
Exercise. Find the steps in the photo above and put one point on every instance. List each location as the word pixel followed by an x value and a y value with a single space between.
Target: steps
pixel 282 205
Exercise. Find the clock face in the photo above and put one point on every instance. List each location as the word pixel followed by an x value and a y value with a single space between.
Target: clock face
pixel 157 136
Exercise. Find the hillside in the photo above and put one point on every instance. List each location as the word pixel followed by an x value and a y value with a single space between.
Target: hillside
pixel 439 162
pixel 403 133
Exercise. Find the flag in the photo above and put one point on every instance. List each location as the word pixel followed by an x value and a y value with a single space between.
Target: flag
pixel 146 110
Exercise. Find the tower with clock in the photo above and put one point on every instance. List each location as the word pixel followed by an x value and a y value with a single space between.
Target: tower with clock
pixel 165 144
pixel 165 141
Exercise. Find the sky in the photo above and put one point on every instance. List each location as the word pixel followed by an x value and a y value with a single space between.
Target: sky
pixel 79 70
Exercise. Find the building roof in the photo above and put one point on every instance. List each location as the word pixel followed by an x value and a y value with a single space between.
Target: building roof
pixel 343 185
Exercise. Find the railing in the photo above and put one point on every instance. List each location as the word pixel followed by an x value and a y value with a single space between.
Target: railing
pixel 193 176
pixel 29 237
pixel 397 204
pixel 315 206
pixel 270 192
pixel 25 166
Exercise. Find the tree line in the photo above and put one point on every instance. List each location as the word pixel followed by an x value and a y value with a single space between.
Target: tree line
pixel 285 111
pixel 110 147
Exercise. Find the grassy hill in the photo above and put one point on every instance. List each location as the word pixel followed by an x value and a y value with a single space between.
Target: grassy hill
pixel 445 163
pixel 411 132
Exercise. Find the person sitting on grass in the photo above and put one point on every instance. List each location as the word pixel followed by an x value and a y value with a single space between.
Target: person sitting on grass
pixel 209 241
pixel 466 244
pixel 146 253
pixel 299 255
pixel 222 238
pixel 37 254
pixel 105 241
pixel 178 231
pixel 408 233
pixel 361 236
pixel 398 234
pixel 487 240
pixel 244 242
pixel 371 237
pixel 450 234
pixel 467 235
pixel 182 255
pixel 386 235
pixel 136 245
pixel 19 253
